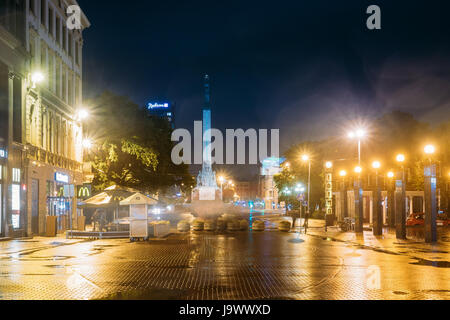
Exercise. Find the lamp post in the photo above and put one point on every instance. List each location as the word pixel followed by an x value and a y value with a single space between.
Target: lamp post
pixel 400 200
pixel 390 199
pixel 222 181
pixel 306 158
pixel 358 192
pixel 376 204
pixel 343 196
pixel 358 134
pixel 430 196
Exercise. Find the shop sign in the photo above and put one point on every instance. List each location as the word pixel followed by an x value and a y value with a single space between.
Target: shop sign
pixel 61 177
pixel 84 191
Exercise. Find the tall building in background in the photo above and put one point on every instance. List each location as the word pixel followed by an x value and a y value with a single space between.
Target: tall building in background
pixel 269 191
pixel 163 110
pixel 40 92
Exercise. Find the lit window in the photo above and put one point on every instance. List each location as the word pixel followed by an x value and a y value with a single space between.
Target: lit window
pixel 16 175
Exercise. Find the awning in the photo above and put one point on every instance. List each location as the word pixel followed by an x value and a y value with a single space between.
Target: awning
pixel 109 198
pixel 138 198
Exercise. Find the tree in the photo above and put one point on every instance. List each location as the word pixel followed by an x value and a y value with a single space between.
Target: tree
pixel 131 149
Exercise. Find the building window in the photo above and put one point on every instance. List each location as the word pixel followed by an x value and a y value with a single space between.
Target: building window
pixel 64 85
pixel 77 53
pixel 43 12
pixel 70 44
pixel 64 37
pixel 50 21
pixel 58 30
pixel 17 110
pixel 16 175
pixel 32 7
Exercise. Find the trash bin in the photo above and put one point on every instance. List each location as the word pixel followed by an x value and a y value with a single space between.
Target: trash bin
pixel 329 220
pixel 51 226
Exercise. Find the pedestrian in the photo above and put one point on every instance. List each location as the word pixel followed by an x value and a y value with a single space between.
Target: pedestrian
pixel 95 219
pixel 306 222
pixel 102 219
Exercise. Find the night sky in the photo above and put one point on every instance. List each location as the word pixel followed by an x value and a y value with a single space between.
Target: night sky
pixel 306 67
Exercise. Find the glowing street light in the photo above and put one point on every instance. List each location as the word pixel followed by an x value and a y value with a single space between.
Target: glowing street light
pixel 329 165
pixel 390 175
pixel 87 144
pixel 358 169
pixel 82 114
pixel 376 165
pixel 222 181
pixel 343 173
pixel 400 158
pixel 430 149
pixel 36 78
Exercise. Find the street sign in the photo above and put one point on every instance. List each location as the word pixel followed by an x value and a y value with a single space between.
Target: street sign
pixel 69 191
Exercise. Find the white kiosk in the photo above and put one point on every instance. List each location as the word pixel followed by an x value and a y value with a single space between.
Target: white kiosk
pixel 138 215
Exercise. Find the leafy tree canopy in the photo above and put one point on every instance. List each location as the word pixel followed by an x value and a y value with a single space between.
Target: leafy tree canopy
pixel 131 149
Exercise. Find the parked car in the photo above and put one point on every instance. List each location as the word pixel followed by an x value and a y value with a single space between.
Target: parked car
pixel 415 219
pixel 418 219
pixel 443 220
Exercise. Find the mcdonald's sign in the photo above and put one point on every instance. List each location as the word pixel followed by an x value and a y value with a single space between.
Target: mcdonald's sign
pixel 84 191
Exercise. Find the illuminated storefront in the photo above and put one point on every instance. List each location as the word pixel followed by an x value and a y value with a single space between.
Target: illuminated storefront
pixel 60 199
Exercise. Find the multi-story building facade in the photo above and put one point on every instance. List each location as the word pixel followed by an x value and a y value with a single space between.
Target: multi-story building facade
pixel 44 136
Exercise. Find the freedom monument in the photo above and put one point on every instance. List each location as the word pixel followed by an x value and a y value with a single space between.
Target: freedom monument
pixel 207 196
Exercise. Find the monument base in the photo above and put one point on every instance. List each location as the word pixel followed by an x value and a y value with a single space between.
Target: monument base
pixel 207 202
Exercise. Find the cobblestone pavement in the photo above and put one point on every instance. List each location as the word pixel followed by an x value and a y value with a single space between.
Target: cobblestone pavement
pixel 241 265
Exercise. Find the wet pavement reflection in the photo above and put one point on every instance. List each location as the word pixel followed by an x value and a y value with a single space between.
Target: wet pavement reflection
pixel 229 265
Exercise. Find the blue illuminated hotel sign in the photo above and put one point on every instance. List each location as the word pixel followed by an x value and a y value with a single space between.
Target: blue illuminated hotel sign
pixel 3 154
pixel 158 106
pixel 61 177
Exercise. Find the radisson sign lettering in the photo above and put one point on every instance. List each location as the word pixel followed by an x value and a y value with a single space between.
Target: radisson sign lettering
pixel 61 177
pixel 158 105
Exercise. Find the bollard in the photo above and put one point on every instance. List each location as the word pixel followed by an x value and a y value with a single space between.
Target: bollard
pixel 284 226
pixel 183 226
pixel 259 225
pixel 210 225
pixel 243 225
pixel 198 225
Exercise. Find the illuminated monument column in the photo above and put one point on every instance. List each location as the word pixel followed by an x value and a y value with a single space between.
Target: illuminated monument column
pixel 207 191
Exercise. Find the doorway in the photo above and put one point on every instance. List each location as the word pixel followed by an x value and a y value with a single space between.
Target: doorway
pixel 35 206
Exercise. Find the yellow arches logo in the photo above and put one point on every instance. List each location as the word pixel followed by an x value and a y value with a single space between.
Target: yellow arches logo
pixel 84 192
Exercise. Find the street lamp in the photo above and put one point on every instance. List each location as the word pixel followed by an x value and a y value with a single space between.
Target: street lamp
pixel 376 209
pixel 36 78
pixel 343 173
pixel 430 149
pixel 358 192
pixel 307 158
pixel 328 164
pixel 87 143
pixel 222 181
pixel 82 114
pixel 390 175
pixel 358 134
